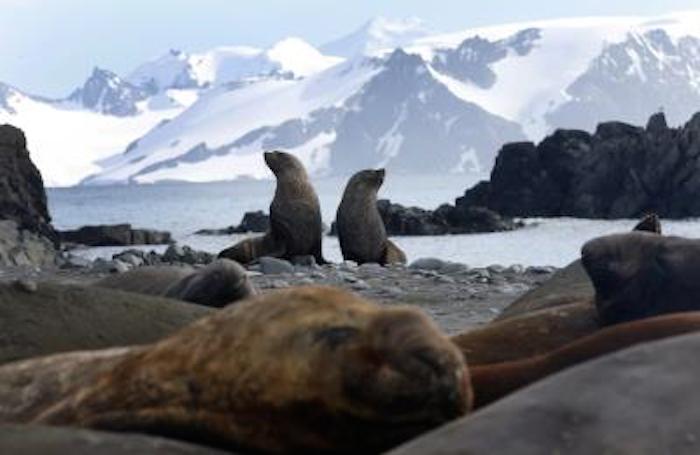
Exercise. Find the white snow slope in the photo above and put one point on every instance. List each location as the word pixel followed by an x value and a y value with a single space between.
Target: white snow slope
pixel 227 104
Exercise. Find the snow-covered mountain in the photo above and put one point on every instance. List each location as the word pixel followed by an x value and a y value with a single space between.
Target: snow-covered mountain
pixel 390 94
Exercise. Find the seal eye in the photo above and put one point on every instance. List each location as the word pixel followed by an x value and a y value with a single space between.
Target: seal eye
pixel 335 336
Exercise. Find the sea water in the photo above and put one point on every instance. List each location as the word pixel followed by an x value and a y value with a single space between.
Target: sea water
pixel 183 208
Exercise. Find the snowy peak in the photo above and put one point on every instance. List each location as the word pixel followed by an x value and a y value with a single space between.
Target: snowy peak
pixel 629 80
pixel 172 70
pixel 377 36
pixel 291 57
pixel 107 93
pixel 472 60
pixel 296 56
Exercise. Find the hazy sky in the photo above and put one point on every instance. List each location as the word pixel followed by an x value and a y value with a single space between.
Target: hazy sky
pixel 48 47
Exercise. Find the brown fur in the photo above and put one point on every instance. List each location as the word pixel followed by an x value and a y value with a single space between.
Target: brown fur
pixel 528 335
pixel 491 382
pixel 296 228
pixel 306 369
pixel 249 250
pixel 650 223
pixel 638 275
pixel 361 230
pixel 218 284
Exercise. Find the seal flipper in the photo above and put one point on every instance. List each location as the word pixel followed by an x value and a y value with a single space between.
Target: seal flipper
pixel 393 254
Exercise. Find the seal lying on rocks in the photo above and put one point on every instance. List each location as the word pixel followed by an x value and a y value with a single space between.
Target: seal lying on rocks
pixel 361 230
pixel 491 382
pixel 568 285
pixel 638 275
pixel 296 228
pixel 218 284
pixel 298 370
pixel 641 400
pixel 531 334
pixel 48 318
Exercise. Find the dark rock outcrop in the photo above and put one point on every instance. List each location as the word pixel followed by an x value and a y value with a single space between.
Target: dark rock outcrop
pixel 114 235
pixel 22 194
pixel 257 221
pixel 446 219
pixel 620 171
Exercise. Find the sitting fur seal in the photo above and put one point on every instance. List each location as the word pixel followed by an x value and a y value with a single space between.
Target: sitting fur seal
pixel 218 284
pixel 641 400
pixel 638 275
pixel 491 382
pixel 300 370
pixel 296 228
pixel 61 317
pixel 361 230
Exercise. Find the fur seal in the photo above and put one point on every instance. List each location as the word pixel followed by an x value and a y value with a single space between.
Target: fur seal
pixel 642 400
pixel 218 284
pixel 296 228
pixel 312 369
pixel 638 275
pixel 568 285
pixel 67 317
pixel 531 334
pixel 361 230
pixel 491 382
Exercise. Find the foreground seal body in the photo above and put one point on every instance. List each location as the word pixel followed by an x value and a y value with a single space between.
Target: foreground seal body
pixel 492 382
pixel 296 228
pixel 361 230
pixel 60 317
pixel 642 400
pixel 218 284
pixel 306 369
pixel 638 275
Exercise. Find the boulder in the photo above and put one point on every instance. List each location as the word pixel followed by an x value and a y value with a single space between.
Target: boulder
pixel 22 194
pixel 620 171
pixel 19 247
pixel 114 235
pixel 257 221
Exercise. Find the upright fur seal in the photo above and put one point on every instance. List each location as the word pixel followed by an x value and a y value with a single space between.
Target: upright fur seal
pixel 638 275
pixel 300 370
pixel 218 284
pixel 296 228
pixel 361 230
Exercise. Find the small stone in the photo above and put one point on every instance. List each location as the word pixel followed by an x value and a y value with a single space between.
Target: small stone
pixel 348 265
pixel 371 268
pixel 540 270
pixel 496 269
pixel 274 266
pixel 306 281
pixel 427 264
pixel 252 273
pixel 75 262
pixel 26 285
pixel 317 275
pixel 279 284
pixel 454 267
pixel 444 279
pixel 121 267
pixel 393 291
pixel 516 268
pixel 304 261
pixel 361 285
pixel 347 277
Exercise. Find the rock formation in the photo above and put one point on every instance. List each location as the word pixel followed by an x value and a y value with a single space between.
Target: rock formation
pixel 620 171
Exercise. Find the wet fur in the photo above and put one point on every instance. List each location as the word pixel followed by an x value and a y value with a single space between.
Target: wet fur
pixel 306 369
